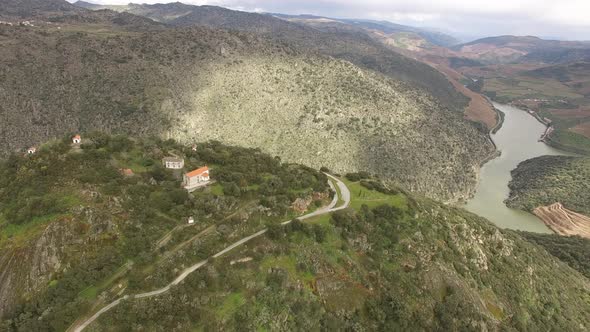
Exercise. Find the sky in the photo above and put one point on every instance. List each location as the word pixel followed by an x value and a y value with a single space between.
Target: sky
pixel 560 19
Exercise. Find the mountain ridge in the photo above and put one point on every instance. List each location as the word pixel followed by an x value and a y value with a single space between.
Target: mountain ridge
pixel 356 47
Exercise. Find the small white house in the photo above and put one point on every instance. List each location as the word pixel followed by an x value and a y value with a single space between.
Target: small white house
pixel 77 139
pixel 32 150
pixel 191 220
pixel 173 162
pixel 196 178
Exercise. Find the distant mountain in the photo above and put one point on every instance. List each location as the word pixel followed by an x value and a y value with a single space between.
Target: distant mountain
pixel 342 41
pixel 33 8
pixel 506 49
pixel 434 37
pixel 558 55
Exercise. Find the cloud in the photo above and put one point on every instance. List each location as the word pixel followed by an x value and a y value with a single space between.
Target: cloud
pixel 563 18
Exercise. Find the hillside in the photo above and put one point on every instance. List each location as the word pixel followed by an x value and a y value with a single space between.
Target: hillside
pixel 350 45
pixel 555 188
pixel 573 250
pixel 549 179
pixel 434 37
pixel 35 8
pixel 523 49
pixel 69 218
pixel 389 261
pixel 237 88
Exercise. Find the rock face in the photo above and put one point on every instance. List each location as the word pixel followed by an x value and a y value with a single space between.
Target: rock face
pixel 28 269
pixel 563 221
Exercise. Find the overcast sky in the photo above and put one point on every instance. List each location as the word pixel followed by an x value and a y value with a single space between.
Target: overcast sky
pixel 565 19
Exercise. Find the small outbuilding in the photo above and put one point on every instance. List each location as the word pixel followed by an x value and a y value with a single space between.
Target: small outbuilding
pixel 77 139
pixel 32 150
pixel 191 220
pixel 173 162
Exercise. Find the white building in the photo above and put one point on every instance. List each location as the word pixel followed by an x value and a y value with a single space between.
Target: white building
pixel 196 178
pixel 31 150
pixel 77 139
pixel 173 162
pixel 191 220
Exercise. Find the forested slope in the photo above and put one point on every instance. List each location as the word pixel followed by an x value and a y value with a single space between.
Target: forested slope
pixel 391 260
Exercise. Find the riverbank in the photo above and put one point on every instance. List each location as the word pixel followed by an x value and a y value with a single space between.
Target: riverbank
pixel 516 140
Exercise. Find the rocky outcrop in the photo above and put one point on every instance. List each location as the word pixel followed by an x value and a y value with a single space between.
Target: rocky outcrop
pixel 27 270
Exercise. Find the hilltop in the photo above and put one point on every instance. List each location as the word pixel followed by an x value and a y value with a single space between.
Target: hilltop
pixel 391 260
pixel 197 83
pixel 73 217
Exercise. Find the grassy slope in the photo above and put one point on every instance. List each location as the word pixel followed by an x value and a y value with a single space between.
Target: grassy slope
pixel 549 179
pixel 415 266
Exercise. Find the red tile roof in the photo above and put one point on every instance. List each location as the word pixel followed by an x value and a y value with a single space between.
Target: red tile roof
pixel 77 137
pixel 197 172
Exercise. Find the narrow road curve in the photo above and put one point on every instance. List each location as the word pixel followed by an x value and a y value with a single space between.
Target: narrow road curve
pixel 344 192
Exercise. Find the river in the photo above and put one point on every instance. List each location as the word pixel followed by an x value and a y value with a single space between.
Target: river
pixel 518 141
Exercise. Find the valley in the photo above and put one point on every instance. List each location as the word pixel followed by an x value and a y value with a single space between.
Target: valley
pixel 517 140
pixel 174 167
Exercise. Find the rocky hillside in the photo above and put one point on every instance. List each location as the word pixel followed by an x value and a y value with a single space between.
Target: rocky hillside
pixel 343 41
pixel 550 179
pixel 35 8
pixel 91 234
pixel 200 84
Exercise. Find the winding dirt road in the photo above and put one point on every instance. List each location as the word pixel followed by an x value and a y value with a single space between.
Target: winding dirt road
pixel 344 193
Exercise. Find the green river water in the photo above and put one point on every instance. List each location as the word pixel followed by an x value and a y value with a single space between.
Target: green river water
pixel 518 141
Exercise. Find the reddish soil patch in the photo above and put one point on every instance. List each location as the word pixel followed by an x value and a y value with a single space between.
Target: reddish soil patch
pixel 582 129
pixel 563 221
pixel 479 108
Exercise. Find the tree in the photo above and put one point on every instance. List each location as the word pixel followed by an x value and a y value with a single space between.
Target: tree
pixel 275 231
